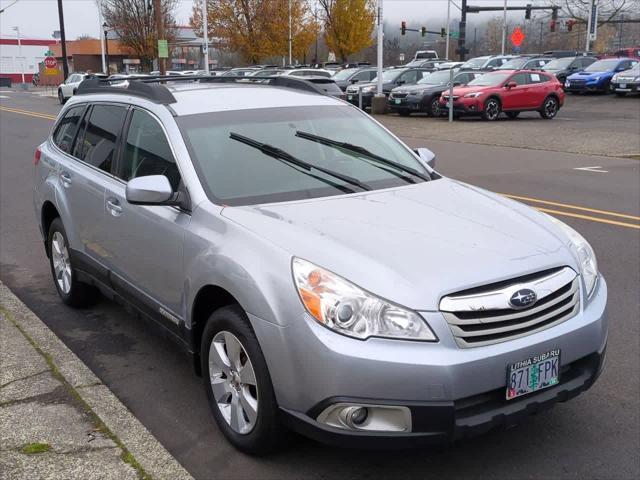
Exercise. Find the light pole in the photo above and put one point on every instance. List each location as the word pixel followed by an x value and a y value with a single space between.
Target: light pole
pixel 446 54
pixel 504 27
pixel 102 40
pixel 290 56
pixel 20 52
pixel 105 27
pixel 205 36
pixel 380 46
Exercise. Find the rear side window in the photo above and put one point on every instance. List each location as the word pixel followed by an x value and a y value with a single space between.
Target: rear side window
pixel 66 129
pixel 97 139
pixel 537 78
pixel 147 151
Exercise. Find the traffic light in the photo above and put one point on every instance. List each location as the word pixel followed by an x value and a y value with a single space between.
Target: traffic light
pixel 570 25
pixel 552 26
pixel 443 32
pixel 527 13
pixel 403 28
pixel 423 31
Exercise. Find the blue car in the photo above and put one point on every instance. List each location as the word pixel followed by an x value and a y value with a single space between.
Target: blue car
pixel 597 76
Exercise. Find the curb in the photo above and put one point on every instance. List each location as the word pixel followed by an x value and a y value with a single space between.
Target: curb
pixel 154 459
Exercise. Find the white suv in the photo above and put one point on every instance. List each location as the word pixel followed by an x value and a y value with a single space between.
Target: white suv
pixel 68 88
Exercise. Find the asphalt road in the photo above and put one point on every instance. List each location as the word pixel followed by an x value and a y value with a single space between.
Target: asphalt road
pixel 593 436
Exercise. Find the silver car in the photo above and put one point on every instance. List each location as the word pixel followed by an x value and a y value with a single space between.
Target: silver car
pixel 321 274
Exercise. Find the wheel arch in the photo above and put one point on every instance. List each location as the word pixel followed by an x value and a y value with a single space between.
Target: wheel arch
pixel 48 214
pixel 550 95
pixel 208 299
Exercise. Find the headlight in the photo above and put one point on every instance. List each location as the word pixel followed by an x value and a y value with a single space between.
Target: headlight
pixel 368 89
pixel 345 308
pixel 584 252
pixel 473 95
pixel 637 79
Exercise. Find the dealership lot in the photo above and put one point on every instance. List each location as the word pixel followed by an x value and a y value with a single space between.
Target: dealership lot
pixel 551 164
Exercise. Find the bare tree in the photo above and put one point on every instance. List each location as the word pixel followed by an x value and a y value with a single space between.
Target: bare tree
pixel 133 21
pixel 607 9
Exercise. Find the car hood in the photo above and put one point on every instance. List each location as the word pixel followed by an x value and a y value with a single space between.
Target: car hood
pixel 418 88
pixel 461 91
pixel 413 244
pixel 584 75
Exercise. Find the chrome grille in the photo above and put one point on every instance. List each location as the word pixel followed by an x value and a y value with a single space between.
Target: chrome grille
pixel 398 95
pixel 484 316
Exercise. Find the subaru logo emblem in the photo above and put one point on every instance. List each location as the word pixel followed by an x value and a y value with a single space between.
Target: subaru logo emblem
pixel 523 298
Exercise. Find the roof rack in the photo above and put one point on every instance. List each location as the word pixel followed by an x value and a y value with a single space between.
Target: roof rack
pixel 151 88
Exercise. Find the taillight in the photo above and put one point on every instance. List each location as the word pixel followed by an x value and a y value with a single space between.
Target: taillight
pixel 37 155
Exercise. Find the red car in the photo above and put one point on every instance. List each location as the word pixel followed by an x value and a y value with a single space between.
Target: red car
pixel 509 91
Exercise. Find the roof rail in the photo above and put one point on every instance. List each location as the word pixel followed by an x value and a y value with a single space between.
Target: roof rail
pixel 151 88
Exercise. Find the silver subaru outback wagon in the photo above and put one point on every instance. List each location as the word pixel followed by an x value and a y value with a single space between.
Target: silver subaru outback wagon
pixel 322 275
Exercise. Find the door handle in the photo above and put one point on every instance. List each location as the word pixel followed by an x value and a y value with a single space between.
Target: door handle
pixel 114 207
pixel 65 178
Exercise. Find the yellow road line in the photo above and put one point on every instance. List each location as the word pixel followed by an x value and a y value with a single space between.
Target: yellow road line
pixel 573 207
pixel 45 116
pixel 587 217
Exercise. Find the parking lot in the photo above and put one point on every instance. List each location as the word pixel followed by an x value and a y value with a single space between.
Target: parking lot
pixel 583 166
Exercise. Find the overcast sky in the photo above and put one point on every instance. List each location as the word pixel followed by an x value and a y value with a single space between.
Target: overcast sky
pixel 39 18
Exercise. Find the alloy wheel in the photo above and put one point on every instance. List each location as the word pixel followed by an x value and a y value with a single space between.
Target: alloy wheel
pixel 551 108
pixel 435 107
pixel 492 109
pixel 61 263
pixel 233 382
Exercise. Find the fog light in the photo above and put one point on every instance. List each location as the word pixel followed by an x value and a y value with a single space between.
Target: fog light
pixel 375 418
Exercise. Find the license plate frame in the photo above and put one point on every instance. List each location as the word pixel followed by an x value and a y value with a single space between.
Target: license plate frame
pixel 622 85
pixel 524 377
pixel 349 97
pixel 398 101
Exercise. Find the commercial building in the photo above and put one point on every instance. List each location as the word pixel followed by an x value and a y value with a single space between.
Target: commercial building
pixel 21 59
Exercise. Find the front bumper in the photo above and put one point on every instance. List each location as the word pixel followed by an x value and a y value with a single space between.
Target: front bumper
pixel 410 103
pixel 353 98
pixel 451 392
pixel 570 86
pixel 464 106
pixel 624 87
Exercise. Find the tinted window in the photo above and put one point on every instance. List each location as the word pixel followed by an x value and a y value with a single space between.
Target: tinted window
pixel 66 129
pixel 362 76
pixel 520 79
pixel 96 142
pixel 409 77
pixel 147 151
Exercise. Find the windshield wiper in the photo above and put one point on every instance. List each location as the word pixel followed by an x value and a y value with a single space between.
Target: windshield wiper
pixel 279 154
pixel 364 152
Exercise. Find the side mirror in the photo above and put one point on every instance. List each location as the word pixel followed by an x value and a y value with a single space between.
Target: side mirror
pixel 354 80
pixel 427 156
pixel 150 190
pixel 457 84
pixel 510 85
pixel 400 82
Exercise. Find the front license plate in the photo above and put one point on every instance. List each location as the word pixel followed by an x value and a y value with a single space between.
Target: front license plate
pixel 398 101
pixel 533 374
pixel 623 85
pixel 349 97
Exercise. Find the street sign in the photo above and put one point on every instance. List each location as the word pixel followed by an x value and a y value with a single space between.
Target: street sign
pixel 593 21
pixel 517 37
pixel 50 62
pixel 455 34
pixel 163 49
pixel 401 57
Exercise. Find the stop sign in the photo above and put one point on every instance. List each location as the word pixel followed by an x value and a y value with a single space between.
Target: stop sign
pixel 50 62
pixel 517 37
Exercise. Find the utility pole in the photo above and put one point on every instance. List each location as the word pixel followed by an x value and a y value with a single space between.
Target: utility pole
pixel 157 12
pixel 102 40
pixel 290 56
pixel 462 30
pixel 17 29
pixel 106 48
pixel 315 15
pixel 63 41
pixel 205 36
pixel 380 45
pixel 504 27
pixel 446 54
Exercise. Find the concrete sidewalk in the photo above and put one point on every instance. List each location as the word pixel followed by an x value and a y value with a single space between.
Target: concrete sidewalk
pixel 57 420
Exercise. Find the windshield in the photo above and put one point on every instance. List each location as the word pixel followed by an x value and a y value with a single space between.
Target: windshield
pixel 234 173
pixel 558 64
pixel 489 79
pixel 475 62
pixel 603 65
pixel 344 74
pixel 436 78
pixel 389 75
pixel 514 64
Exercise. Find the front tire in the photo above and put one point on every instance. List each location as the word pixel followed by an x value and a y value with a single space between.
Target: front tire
pixel 550 108
pixel 492 109
pixel 71 290
pixel 434 107
pixel 238 384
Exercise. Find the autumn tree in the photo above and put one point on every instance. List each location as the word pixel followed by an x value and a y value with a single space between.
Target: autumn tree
pixel 258 29
pixel 133 21
pixel 348 25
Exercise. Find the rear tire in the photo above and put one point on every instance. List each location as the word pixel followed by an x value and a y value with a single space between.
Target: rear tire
pixel 550 108
pixel 492 109
pixel 512 115
pixel 71 290
pixel 245 410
